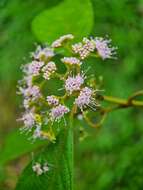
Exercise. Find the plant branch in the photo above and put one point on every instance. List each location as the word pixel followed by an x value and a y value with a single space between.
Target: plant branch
pixel 119 104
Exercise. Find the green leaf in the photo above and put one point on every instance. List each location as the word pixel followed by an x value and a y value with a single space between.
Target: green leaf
pixel 73 17
pixel 16 145
pixel 60 159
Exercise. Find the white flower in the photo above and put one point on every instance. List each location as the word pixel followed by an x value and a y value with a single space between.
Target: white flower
pixel 80 117
pixel 49 69
pixel 26 103
pixel 59 42
pixel 46 168
pixel 37 168
pixel 28 80
pixel 71 61
pixel 43 53
pixel 85 48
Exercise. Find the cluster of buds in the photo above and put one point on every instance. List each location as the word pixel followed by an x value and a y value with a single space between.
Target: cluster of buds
pixel 43 109
pixel 71 61
pixel 49 69
pixel 40 169
pixel 59 42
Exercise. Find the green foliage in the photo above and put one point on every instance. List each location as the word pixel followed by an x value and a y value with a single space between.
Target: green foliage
pixel 59 157
pixel 16 145
pixel 69 17
pixel 112 155
pixel 111 158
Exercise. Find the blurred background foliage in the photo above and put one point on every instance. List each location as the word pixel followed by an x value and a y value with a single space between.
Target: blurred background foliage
pixel 111 158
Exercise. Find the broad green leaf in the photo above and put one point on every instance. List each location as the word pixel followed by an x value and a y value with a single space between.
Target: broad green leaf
pixel 60 159
pixel 75 17
pixel 16 145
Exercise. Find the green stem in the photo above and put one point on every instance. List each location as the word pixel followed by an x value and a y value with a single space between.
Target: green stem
pixel 70 154
pixel 71 145
pixel 122 102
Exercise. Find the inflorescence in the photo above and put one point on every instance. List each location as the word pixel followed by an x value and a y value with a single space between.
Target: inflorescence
pixel 40 169
pixel 42 110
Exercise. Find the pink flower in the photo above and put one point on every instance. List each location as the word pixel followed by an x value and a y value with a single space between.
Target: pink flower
pixel 74 83
pixel 85 98
pixel 58 112
pixel 28 119
pixel 34 68
pixel 104 48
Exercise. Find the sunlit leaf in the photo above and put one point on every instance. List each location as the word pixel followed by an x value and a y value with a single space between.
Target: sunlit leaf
pixel 73 17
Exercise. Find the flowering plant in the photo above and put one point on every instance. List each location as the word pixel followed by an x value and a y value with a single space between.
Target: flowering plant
pixel 79 95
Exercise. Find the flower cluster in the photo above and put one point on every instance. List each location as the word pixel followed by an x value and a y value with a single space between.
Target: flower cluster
pixel 58 112
pixel 99 44
pixel 74 83
pixel 40 169
pixel 59 42
pixel 104 48
pixel 71 61
pixel 85 98
pixel 52 100
pixel 43 53
pixel 84 48
pixel 49 69
pixel 42 108
pixel 34 67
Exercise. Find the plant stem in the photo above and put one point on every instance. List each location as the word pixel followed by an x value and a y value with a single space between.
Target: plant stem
pixel 122 102
pixel 70 154
pixel 71 145
pixel 119 104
